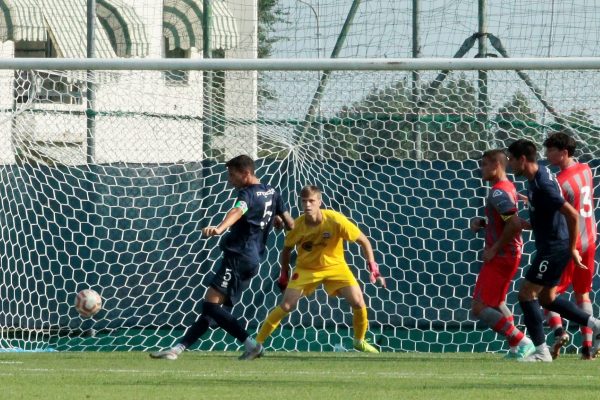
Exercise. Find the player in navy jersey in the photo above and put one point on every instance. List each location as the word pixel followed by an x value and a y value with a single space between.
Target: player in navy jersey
pixel 555 225
pixel 250 220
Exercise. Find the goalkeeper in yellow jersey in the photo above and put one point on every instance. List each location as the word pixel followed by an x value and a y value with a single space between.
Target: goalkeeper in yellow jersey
pixel 318 236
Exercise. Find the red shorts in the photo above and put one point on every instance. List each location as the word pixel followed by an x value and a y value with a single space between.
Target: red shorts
pixel 494 279
pixel 580 278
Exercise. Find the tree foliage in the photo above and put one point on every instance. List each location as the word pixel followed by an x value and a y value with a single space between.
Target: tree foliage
pixel 448 126
pixel 516 120
pixel 385 123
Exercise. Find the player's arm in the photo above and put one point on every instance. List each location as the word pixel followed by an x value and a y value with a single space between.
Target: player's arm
pixel 477 224
pixel 231 218
pixel 284 220
pixel 284 262
pixel 525 225
pixel 572 217
pixel 365 244
pixel 512 227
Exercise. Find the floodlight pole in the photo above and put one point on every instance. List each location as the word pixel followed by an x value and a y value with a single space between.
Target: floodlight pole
pixel 91 94
pixel 482 100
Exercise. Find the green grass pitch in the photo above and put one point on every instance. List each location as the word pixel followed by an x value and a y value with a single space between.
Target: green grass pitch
pixel 219 375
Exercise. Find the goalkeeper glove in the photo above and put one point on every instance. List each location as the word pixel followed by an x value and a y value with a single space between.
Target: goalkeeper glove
pixel 374 270
pixel 282 282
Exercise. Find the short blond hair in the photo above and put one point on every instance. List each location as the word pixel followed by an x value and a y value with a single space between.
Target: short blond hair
pixel 309 190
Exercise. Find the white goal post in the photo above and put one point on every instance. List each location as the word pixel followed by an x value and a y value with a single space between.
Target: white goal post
pixel 308 64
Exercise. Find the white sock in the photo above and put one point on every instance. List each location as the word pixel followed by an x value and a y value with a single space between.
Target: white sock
pixel 592 322
pixel 541 347
pixel 249 343
pixel 178 349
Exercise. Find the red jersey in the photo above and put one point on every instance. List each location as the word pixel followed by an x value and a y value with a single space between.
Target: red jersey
pixel 577 185
pixel 502 203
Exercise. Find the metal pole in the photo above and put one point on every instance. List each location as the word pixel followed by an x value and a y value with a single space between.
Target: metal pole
pixel 316 101
pixel 482 103
pixel 318 111
pixel 207 81
pixel 416 81
pixel 91 94
pixel 207 117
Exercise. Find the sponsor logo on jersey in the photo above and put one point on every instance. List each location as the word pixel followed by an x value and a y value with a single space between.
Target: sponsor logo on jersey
pixel 326 235
pixel 267 193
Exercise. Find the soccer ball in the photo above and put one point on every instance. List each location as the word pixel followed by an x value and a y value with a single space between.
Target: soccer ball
pixel 88 302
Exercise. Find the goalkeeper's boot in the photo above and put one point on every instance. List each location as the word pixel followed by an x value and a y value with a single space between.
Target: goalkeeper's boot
pixel 559 342
pixel 539 356
pixel 362 345
pixel 255 352
pixel 170 354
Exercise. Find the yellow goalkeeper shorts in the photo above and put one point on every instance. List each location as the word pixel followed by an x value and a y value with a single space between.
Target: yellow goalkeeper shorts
pixel 334 278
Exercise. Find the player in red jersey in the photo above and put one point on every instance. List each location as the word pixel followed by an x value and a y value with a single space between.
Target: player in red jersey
pixel 501 255
pixel 577 186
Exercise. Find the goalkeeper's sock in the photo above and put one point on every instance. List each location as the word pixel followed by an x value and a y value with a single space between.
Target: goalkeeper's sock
pixel 360 322
pixel 271 323
pixel 225 320
pixel 195 331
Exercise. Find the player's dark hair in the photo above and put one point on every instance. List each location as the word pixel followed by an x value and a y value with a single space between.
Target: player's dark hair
pixel 309 190
pixel 241 163
pixel 561 140
pixel 523 147
pixel 495 155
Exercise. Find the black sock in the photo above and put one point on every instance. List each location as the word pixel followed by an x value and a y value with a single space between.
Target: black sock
pixel 569 310
pixel 195 331
pixel 532 315
pixel 558 332
pixel 225 321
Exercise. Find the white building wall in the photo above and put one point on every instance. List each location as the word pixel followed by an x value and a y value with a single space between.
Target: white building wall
pixel 149 121
pixel 141 119
pixel 7 50
pixel 241 86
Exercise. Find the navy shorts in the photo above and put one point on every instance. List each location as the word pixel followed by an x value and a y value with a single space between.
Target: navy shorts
pixel 547 267
pixel 233 277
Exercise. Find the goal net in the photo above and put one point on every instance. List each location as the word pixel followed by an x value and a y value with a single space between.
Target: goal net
pixel 113 197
